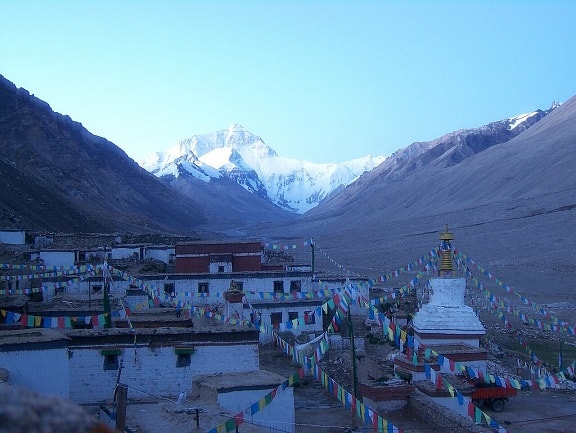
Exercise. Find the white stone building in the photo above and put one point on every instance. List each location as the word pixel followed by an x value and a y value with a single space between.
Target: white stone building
pixel 13 237
pixel 84 365
pixel 236 392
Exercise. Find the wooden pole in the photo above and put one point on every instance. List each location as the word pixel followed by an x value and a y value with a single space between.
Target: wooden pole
pixel 121 401
pixel 352 346
pixel 312 261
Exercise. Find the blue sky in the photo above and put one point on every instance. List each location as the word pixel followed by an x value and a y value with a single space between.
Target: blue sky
pixel 323 81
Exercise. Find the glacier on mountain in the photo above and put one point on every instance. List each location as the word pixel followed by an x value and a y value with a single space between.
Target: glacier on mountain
pixel 238 154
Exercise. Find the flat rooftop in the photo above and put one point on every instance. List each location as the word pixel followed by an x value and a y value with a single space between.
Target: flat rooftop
pixel 238 381
pixel 30 336
pixel 447 349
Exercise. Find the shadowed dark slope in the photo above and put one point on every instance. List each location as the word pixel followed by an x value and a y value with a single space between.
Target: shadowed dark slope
pixel 63 178
pixel 57 176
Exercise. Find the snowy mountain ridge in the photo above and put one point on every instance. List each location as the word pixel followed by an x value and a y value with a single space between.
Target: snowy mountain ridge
pixel 236 153
pixel 299 186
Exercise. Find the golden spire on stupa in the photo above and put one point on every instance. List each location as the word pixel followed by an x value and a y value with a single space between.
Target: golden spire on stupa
pixel 446 252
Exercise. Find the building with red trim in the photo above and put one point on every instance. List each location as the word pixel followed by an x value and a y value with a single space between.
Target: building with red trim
pixel 219 257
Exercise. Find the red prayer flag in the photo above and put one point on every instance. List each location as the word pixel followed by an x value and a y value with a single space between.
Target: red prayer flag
pixel 239 418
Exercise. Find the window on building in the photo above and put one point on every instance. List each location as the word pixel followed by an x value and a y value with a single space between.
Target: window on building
pixel 309 318
pixel 203 288
pixel 183 356
pixel 170 289
pixel 81 256
pixel 276 319
pixel 220 269
pixel 183 360
pixel 279 287
pixel 295 286
pixel 239 285
pixel 80 323
pixel 110 362
pixel 111 358
pixel 292 315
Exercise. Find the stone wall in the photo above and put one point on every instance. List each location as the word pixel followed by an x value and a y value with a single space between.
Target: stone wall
pixel 441 416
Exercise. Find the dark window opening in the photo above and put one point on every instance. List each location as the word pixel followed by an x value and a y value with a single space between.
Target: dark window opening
pixel 80 323
pixel 279 287
pixel 276 319
pixel 292 315
pixel 183 360
pixel 170 289
pixel 111 362
pixel 295 286
pixel 203 288
pixel 309 318
pixel 35 297
pixel 220 269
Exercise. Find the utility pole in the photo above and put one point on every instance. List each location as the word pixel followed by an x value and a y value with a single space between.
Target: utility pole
pixel 354 376
pixel 120 400
pixel 312 264
pixel 107 313
pixel 353 348
pixel 107 280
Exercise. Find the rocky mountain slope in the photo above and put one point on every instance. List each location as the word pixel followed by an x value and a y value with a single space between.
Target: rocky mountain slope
pixel 511 206
pixel 510 203
pixel 60 177
pixel 57 176
pixel 454 147
pixel 299 186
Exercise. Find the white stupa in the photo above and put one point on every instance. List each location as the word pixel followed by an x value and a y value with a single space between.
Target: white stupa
pixel 446 325
pixel 446 319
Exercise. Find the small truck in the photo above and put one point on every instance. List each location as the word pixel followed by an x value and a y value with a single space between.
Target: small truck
pixel 492 395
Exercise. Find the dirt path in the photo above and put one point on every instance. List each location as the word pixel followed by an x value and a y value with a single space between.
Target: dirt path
pixel 539 411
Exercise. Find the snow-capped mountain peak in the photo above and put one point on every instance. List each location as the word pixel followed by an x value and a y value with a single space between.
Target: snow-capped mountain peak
pixel 238 154
pixel 525 119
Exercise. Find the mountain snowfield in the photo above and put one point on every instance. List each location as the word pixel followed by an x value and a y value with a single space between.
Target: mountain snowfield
pixel 236 153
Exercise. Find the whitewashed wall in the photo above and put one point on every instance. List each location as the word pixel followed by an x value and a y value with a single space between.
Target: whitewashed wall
pixel 186 287
pixel 266 318
pixel 153 370
pixel 452 404
pixel 162 254
pixel 214 267
pixel 13 237
pixel 279 415
pixel 43 371
pixel 124 252
pixel 77 287
pixel 58 258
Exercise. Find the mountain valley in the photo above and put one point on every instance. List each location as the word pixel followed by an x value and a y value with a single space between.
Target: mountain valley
pixel 506 190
